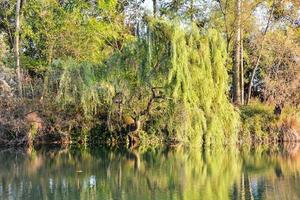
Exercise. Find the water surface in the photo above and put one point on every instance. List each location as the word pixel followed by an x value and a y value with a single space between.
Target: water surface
pixel 257 173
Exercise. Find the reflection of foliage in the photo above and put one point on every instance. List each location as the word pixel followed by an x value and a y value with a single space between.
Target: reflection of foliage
pixel 271 172
pixel 181 174
pixel 156 174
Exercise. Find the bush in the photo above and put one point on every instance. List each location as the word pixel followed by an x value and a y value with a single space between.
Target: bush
pixel 259 124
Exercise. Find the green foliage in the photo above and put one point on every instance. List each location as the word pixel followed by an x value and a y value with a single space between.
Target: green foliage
pixel 258 122
pixel 173 81
pixel 78 86
pixel 109 5
pixel 172 78
pixel 197 78
pixel 189 69
pixel 51 30
pixel 3 49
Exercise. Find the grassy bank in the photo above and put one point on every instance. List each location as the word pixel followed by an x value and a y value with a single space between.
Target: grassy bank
pixel 261 125
pixel 27 121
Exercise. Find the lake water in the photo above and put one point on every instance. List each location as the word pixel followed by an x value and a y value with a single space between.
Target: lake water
pixel 181 174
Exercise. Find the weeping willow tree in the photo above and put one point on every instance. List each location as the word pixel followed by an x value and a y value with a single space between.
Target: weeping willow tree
pixel 172 81
pixel 77 85
pixel 188 68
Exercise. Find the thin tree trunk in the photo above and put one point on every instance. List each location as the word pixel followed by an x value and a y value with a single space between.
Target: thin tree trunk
pixel 236 57
pixel 252 78
pixel 154 8
pixel 260 54
pixel 17 45
pixel 192 10
pixel 242 69
pixel 138 30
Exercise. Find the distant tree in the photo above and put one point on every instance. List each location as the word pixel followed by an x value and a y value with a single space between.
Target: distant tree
pixel 281 68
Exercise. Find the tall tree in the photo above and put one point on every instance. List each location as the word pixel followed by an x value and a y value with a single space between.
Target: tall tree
pixel 237 57
pixel 17 47
pixel 281 68
pixel 260 52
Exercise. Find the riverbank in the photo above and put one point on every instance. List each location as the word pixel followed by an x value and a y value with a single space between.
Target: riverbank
pixel 30 122
pixel 261 124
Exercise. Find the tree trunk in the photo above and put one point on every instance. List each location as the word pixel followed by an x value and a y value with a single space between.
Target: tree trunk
pixel 237 57
pixel 260 53
pixel 17 45
pixel 192 10
pixel 252 79
pixel 154 8
pixel 242 69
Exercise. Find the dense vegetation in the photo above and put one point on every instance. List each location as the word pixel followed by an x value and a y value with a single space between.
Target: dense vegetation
pixel 107 71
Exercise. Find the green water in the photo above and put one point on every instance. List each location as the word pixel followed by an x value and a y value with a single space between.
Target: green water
pixel 258 173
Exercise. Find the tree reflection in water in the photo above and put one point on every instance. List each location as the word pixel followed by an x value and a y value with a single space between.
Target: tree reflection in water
pixel 253 173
